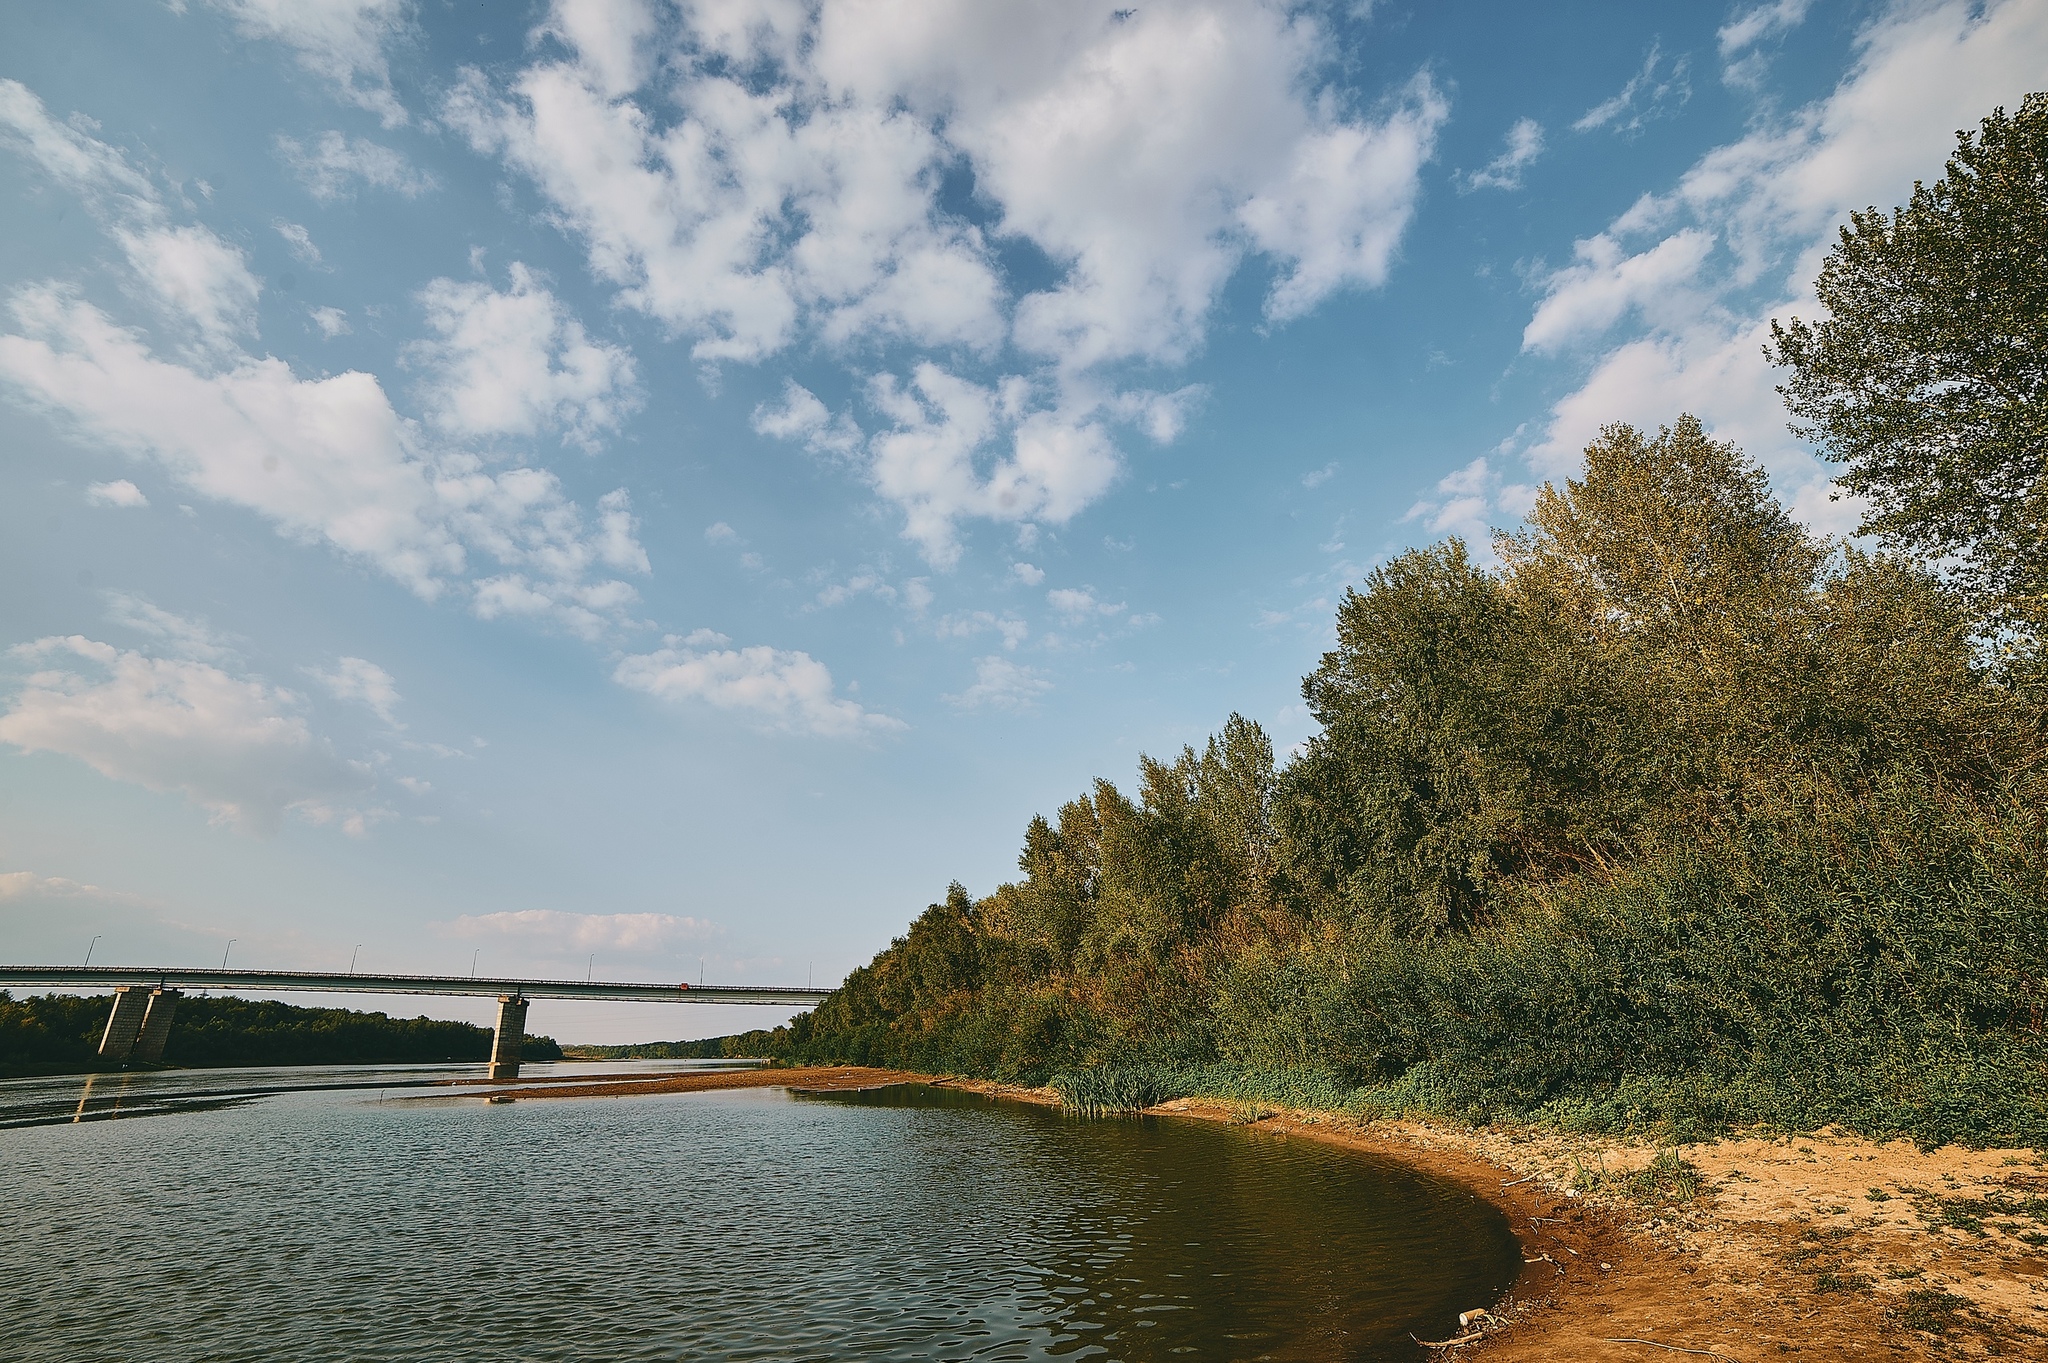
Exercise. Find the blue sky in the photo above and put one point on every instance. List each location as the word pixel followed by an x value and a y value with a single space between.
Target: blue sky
pixel 677 485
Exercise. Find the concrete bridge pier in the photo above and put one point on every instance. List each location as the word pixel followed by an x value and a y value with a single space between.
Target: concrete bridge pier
pixel 511 1032
pixel 156 1025
pixel 124 1024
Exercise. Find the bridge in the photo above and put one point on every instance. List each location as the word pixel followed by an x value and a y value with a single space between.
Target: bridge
pixel 146 998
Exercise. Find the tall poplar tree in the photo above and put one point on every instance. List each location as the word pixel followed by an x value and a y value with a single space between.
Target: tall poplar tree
pixel 1929 377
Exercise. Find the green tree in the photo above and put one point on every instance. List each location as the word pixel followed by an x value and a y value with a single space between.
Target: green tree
pixel 1929 377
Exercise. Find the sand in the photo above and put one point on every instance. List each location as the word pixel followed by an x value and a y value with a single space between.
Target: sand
pixel 1822 1246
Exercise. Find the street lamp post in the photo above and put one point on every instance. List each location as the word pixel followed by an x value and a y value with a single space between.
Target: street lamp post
pixel 224 953
pixel 352 958
pixel 472 961
pixel 88 949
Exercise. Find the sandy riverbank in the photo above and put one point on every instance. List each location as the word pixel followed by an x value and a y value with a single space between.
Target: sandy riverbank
pixel 1817 1247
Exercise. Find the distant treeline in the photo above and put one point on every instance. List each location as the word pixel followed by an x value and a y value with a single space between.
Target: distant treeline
pixel 743 1045
pixel 1665 814
pixel 60 1033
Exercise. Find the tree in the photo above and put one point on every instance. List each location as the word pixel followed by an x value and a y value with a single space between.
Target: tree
pixel 1929 378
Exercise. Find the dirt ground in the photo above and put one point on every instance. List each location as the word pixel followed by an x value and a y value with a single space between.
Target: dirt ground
pixel 1822 1246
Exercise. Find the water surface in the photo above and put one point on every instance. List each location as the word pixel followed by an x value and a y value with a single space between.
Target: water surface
pixel 907 1224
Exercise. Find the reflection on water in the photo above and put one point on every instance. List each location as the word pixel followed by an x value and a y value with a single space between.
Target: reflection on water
pixel 907 1224
pixel 52 1100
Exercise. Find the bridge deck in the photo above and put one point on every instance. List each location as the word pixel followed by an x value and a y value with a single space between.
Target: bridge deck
pixel 154 977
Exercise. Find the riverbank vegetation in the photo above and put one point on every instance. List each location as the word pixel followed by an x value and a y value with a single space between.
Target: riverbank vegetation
pixel 60 1034
pixel 1658 812
pixel 741 1046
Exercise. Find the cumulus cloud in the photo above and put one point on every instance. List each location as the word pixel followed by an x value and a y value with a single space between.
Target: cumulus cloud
pixel 195 275
pixel 198 276
pixel 1524 145
pixel 778 689
pixel 332 166
pixel 764 174
pixel 937 463
pixel 517 362
pixel 363 682
pixel 332 322
pixel 231 744
pixel 120 492
pixel 1028 574
pixel 801 416
pixel 1769 203
pixel 641 932
pixel 324 460
pixel 1605 282
pixel 342 42
pixel 1471 501
pixel 1000 684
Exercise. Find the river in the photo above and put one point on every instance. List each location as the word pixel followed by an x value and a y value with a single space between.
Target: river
pixel 900 1224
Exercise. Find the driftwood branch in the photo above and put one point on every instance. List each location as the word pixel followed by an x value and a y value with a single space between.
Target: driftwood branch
pixel 1450 1343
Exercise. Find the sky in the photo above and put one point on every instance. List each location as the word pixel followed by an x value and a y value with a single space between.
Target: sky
pixel 658 490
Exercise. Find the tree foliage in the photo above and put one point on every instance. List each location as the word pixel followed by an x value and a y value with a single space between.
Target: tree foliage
pixel 56 1033
pixel 1676 814
pixel 1929 377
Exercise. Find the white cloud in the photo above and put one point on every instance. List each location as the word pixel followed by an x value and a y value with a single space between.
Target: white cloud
pixel 330 168
pixel 231 744
pixel 332 322
pixel 176 634
pixel 1347 199
pixel 1028 574
pixel 190 270
pixel 643 932
pixel 1471 502
pixel 340 41
pixel 1077 604
pixel 66 153
pixel 718 532
pixel 967 624
pixel 298 241
pixel 931 462
pixel 860 584
pixel 801 416
pixel 1592 295
pixel 518 362
pixel 29 885
pixel 120 492
pixel 1524 145
pixel 1315 478
pixel 324 460
pixel 198 276
pixel 1772 200
pixel 1000 684
pixel 780 689
pixel 1647 96
pixel 1759 22
pixel 760 175
pixel 363 682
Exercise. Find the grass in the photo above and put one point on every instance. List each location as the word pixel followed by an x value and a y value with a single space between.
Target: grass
pixel 1666 1180
pixel 1932 1309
